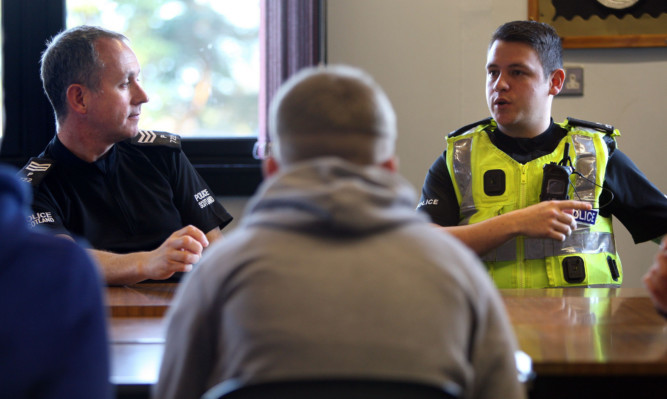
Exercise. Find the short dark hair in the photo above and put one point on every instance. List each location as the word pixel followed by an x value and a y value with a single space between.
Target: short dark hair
pixel 542 37
pixel 333 110
pixel 71 58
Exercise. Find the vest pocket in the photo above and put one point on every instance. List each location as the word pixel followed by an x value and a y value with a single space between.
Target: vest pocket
pixel 574 269
pixel 600 269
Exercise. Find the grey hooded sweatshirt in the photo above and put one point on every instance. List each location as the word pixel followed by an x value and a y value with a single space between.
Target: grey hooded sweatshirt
pixel 332 273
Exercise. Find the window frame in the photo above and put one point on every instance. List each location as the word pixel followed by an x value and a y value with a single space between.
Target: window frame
pixel 292 37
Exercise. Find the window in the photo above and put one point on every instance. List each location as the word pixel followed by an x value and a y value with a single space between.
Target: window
pixel 290 37
pixel 199 59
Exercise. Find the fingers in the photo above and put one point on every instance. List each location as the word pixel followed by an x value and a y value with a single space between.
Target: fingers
pixel 572 204
pixel 565 221
pixel 178 255
pixel 562 231
pixel 655 278
pixel 194 233
pixel 656 284
pixel 189 239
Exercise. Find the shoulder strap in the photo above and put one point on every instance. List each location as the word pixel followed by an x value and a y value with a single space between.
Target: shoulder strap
pixel 609 129
pixel 601 127
pixel 156 138
pixel 36 170
pixel 466 128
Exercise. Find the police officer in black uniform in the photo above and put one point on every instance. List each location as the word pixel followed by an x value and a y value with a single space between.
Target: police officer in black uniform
pixel 133 195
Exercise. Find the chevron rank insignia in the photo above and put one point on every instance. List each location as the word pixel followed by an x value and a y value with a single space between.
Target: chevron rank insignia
pixel 35 170
pixel 156 138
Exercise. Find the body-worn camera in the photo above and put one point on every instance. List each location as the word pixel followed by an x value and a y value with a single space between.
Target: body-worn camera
pixel 556 179
pixel 555 182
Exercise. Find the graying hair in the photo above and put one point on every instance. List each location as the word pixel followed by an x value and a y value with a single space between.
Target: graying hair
pixel 71 58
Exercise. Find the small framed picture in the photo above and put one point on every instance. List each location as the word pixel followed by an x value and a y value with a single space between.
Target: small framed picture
pixel 574 81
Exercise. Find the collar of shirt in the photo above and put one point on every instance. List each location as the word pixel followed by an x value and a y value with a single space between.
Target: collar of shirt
pixel 525 150
pixel 63 154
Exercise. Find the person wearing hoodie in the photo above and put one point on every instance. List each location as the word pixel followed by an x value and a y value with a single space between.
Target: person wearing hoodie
pixel 53 336
pixel 331 272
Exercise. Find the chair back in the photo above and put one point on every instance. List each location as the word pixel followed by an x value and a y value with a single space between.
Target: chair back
pixel 330 389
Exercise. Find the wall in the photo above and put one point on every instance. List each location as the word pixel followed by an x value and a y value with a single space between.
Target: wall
pixel 429 55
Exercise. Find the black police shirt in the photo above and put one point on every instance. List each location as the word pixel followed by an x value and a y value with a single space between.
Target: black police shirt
pixel 627 193
pixel 131 200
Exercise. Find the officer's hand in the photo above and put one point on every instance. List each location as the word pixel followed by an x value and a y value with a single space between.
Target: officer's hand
pixel 177 254
pixel 656 278
pixel 550 219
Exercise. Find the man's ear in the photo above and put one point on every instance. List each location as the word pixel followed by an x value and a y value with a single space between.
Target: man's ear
pixel 269 166
pixel 556 81
pixel 77 98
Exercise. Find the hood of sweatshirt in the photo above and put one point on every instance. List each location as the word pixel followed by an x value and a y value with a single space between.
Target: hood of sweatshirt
pixel 332 196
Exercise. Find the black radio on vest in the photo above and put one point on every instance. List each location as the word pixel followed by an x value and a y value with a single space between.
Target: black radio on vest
pixel 556 178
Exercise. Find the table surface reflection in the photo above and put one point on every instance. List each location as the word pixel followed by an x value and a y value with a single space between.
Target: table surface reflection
pixel 589 331
pixel 574 331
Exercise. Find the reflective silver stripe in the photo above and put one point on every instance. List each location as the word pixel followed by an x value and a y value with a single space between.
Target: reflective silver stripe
pixel 585 164
pixel 580 242
pixel 463 174
pixel 589 286
pixel 505 252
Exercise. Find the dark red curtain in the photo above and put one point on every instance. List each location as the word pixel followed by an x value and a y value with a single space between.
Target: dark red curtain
pixel 292 37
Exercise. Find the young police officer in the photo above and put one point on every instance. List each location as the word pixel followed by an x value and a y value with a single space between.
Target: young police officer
pixel 132 194
pixel 503 183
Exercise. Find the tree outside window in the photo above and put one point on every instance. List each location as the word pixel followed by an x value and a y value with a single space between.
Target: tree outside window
pixel 199 59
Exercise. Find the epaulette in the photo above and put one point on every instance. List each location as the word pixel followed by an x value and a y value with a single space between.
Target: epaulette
pixel 153 138
pixel 609 129
pixel 611 143
pixel 601 127
pixel 466 128
pixel 35 170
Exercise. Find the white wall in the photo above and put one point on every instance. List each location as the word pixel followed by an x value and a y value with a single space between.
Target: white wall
pixel 429 56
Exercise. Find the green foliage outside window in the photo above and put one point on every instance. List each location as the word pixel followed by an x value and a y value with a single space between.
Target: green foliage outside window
pixel 199 59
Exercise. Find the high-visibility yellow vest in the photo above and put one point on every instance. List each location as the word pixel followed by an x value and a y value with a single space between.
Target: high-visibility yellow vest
pixel 588 256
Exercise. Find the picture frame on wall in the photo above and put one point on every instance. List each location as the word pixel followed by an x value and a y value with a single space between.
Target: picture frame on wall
pixel 604 23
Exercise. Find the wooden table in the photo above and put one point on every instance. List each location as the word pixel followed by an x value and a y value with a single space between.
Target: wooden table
pixel 136 331
pixel 140 300
pixel 590 343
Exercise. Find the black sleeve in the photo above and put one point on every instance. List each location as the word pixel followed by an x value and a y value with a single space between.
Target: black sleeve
pixel 636 202
pixel 438 198
pixel 45 211
pixel 195 200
